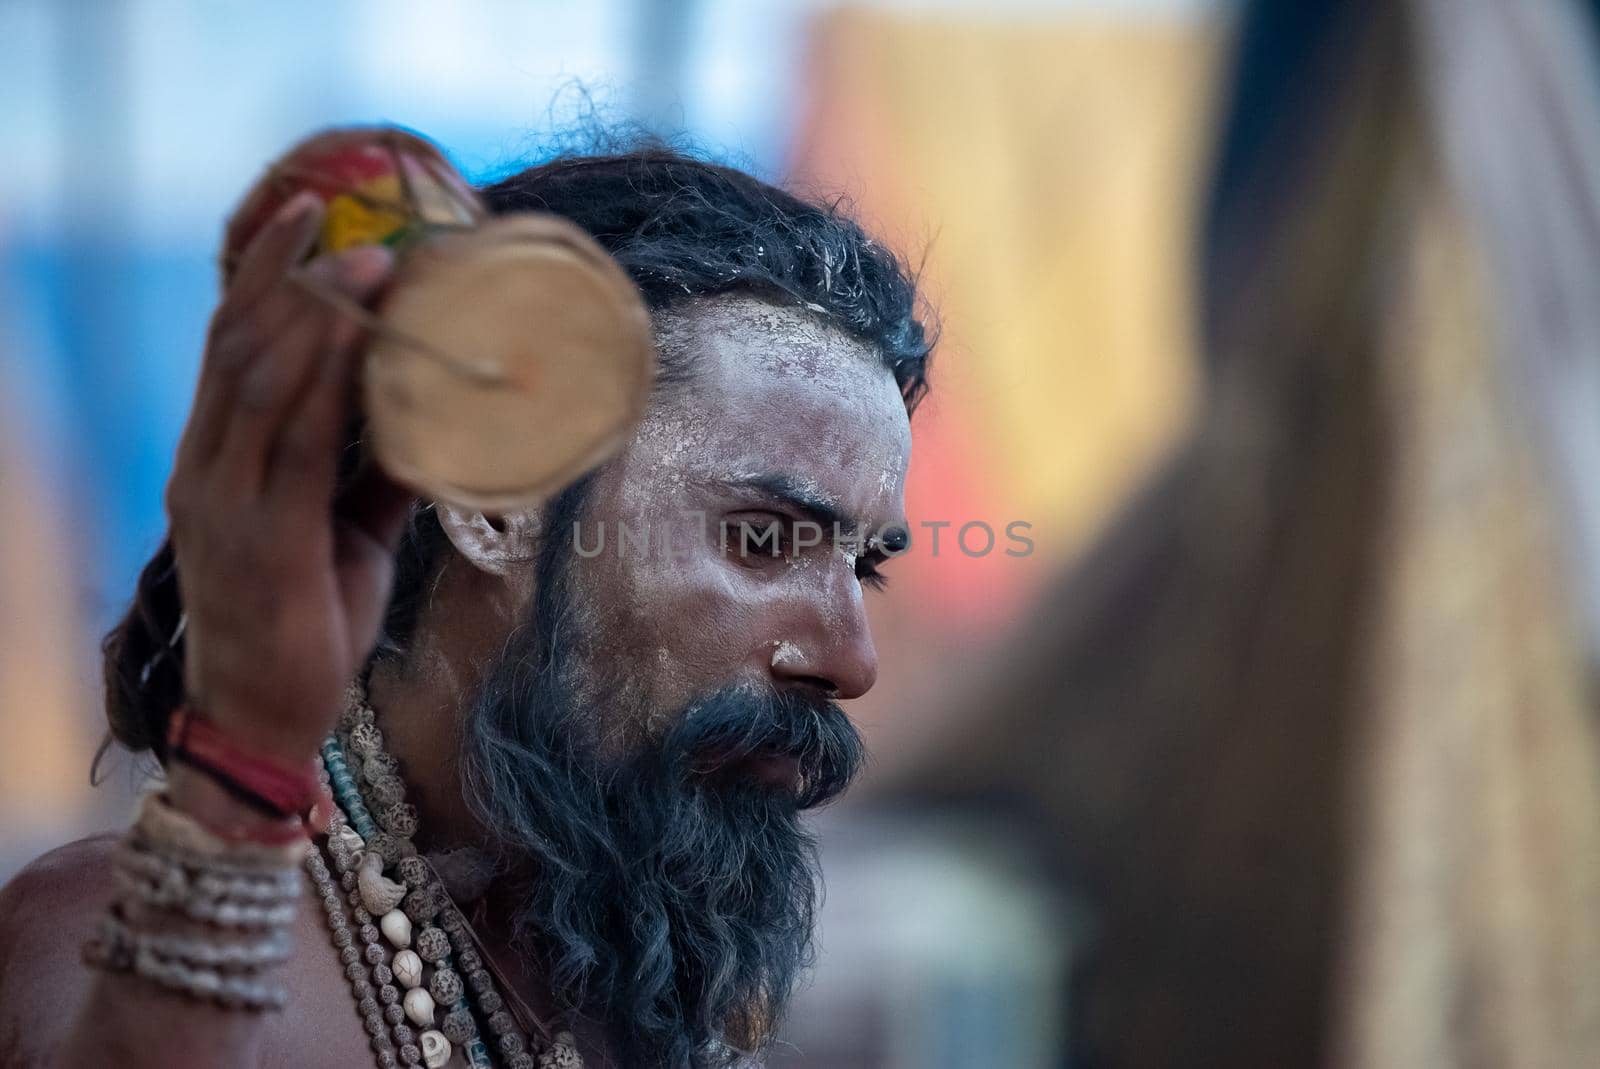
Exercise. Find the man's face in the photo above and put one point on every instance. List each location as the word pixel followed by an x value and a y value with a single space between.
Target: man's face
pixel 644 749
pixel 706 554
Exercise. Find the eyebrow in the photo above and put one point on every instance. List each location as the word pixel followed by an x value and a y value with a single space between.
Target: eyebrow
pixel 799 494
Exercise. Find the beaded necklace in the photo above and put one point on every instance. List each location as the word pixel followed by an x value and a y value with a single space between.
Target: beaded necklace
pixel 392 891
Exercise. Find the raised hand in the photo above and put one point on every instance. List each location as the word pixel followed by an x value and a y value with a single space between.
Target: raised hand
pixel 284 585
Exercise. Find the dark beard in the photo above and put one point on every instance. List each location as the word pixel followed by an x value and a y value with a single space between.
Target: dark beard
pixel 672 905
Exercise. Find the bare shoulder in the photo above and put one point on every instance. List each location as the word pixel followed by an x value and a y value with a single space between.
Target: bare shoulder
pixel 49 904
pixel 47 911
pixel 50 909
pixel 66 869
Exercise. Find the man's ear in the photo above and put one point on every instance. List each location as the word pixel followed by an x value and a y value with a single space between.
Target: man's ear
pixel 494 543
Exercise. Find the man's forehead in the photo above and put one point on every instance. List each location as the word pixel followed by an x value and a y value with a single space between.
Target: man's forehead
pixel 774 391
pixel 740 334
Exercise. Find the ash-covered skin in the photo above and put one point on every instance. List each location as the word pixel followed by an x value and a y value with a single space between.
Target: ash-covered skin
pixel 774 393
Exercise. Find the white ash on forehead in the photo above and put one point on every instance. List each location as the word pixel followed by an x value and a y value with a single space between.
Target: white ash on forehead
pixel 795 341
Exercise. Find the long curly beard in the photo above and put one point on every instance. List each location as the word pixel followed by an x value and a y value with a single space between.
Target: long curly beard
pixel 673 906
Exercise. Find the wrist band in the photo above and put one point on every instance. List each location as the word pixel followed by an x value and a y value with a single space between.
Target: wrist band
pixel 198 914
pixel 178 834
pixel 274 788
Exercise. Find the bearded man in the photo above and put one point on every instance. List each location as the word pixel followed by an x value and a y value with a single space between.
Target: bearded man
pixel 570 771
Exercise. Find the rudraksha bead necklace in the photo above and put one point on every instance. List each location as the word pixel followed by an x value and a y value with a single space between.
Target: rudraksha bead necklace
pixel 407 949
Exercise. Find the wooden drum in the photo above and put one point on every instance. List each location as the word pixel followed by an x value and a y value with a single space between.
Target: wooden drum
pixel 510 355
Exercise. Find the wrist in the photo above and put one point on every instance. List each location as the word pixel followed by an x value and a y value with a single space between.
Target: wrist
pixel 272 791
pixel 196 794
pixel 275 739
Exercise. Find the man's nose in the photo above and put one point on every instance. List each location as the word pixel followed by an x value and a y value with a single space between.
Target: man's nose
pixel 830 646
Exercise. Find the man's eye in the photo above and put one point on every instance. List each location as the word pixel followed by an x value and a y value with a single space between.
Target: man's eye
pixel 755 538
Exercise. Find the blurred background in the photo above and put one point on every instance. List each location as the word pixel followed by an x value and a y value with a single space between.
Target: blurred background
pixel 1273 321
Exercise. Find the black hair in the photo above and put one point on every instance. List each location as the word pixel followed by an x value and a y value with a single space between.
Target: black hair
pixel 682 228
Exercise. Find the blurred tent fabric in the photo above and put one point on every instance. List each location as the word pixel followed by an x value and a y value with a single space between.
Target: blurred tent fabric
pixel 1313 722
pixel 1042 172
pixel 1476 896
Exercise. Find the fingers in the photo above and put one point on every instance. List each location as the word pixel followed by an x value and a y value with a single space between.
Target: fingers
pixel 302 363
pixel 239 327
pixel 281 244
pixel 304 456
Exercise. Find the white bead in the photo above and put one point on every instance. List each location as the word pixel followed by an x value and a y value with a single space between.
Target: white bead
pixel 379 894
pixel 435 1049
pixel 396 927
pixel 407 968
pixel 419 1007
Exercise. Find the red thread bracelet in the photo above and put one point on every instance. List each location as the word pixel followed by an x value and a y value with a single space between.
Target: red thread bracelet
pixel 277 789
